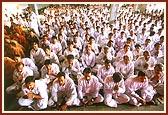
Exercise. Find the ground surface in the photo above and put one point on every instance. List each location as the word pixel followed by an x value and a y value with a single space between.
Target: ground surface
pixel 11 105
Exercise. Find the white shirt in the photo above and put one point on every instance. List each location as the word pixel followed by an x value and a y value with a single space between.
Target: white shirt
pixel 53 57
pixel 141 38
pixel 56 48
pixel 39 89
pixel 126 70
pixel 75 67
pixel 140 62
pixel 88 60
pixel 100 58
pixel 29 63
pixel 137 54
pixel 109 85
pixel 103 73
pixel 132 86
pixel 68 90
pixel 44 71
pixel 151 74
pixel 37 56
pixel 25 73
pixel 88 88
pixel 121 54
pixel 74 52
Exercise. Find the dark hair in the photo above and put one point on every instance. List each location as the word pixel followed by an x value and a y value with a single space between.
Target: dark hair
pixel 157 44
pixel 47 61
pixel 141 73
pixel 54 37
pixel 47 47
pixel 18 64
pixel 61 74
pixel 126 45
pixel 110 34
pixel 145 52
pixel 29 79
pixel 117 77
pixel 70 56
pixel 137 45
pixel 91 38
pixel 87 70
pixel 159 65
pixel 69 42
pixel 107 61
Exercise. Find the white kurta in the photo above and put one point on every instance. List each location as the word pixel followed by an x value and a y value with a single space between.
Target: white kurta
pixel 65 93
pixel 103 73
pixel 37 56
pixel 36 104
pixel 53 58
pixel 75 53
pixel 56 48
pixel 90 89
pixel 25 73
pixel 132 86
pixel 126 70
pixel 30 64
pixel 44 72
pixel 113 97
pixel 88 60
pixel 75 67
pixel 158 86
pixel 140 63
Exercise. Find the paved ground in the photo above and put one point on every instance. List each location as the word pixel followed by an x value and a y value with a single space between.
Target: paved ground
pixel 11 105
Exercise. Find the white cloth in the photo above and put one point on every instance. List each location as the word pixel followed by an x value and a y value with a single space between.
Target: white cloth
pixel 137 54
pixel 158 86
pixel 132 85
pixel 25 73
pixel 53 57
pixel 56 48
pixel 37 56
pixel 66 93
pixel 122 53
pixel 111 96
pixel 88 60
pixel 29 63
pixel 75 67
pixel 74 52
pixel 89 89
pixel 44 72
pixel 125 70
pixel 140 62
pixel 37 104
pixel 103 73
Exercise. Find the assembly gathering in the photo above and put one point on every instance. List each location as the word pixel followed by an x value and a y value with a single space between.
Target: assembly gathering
pixel 83 57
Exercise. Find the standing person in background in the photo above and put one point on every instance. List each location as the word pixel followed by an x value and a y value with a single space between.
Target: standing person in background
pixel 33 20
